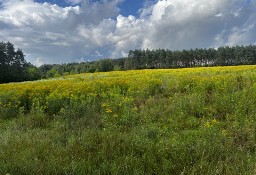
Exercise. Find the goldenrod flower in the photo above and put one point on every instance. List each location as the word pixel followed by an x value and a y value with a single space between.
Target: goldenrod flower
pixel 109 110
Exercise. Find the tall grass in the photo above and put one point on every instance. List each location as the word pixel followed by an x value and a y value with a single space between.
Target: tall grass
pixel 182 121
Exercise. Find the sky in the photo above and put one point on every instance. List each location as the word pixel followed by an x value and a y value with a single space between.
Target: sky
pixel 62 31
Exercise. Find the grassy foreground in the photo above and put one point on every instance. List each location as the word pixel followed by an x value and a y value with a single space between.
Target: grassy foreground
pixel 181 121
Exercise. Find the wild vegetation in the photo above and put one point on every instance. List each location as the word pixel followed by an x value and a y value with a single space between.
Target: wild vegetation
pixel 178 121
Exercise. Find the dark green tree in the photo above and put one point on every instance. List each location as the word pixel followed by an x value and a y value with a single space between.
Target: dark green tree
pixel 105 65
pixel 13 66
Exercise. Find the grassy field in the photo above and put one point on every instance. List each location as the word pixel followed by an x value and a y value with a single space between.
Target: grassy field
pixel 180 121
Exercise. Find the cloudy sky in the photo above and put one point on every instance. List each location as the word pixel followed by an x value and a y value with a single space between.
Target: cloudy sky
pixel 59 31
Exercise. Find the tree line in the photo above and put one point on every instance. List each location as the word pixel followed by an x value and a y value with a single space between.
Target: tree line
pixel 159 59
pixel 14 68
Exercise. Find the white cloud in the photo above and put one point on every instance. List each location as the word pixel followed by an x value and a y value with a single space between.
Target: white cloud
pixel 127 35
pixel 51 34
pixel 179 24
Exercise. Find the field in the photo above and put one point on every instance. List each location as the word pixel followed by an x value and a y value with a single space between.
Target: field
pixel 179 121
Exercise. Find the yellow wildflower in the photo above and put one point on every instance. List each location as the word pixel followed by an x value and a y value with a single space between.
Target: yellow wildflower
pixel 109 110
pixel 207 125
pixel 211 123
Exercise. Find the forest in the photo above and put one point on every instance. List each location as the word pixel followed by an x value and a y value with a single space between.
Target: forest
pixel 14 68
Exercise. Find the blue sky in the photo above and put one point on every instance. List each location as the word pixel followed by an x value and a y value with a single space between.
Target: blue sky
pixel 62 31
pixel 131 7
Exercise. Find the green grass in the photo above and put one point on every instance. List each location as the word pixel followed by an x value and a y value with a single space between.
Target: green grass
pixel 183 121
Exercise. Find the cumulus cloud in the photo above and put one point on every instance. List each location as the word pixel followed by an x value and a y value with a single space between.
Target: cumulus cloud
pixel 48 33
pixel 185 24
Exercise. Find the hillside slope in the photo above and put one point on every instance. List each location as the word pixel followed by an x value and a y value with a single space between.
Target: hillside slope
pixel 168 121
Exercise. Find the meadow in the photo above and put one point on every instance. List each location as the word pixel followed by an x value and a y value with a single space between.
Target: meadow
pixel 162 121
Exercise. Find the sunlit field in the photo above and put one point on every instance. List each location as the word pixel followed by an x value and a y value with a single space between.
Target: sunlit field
pixel 168 121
